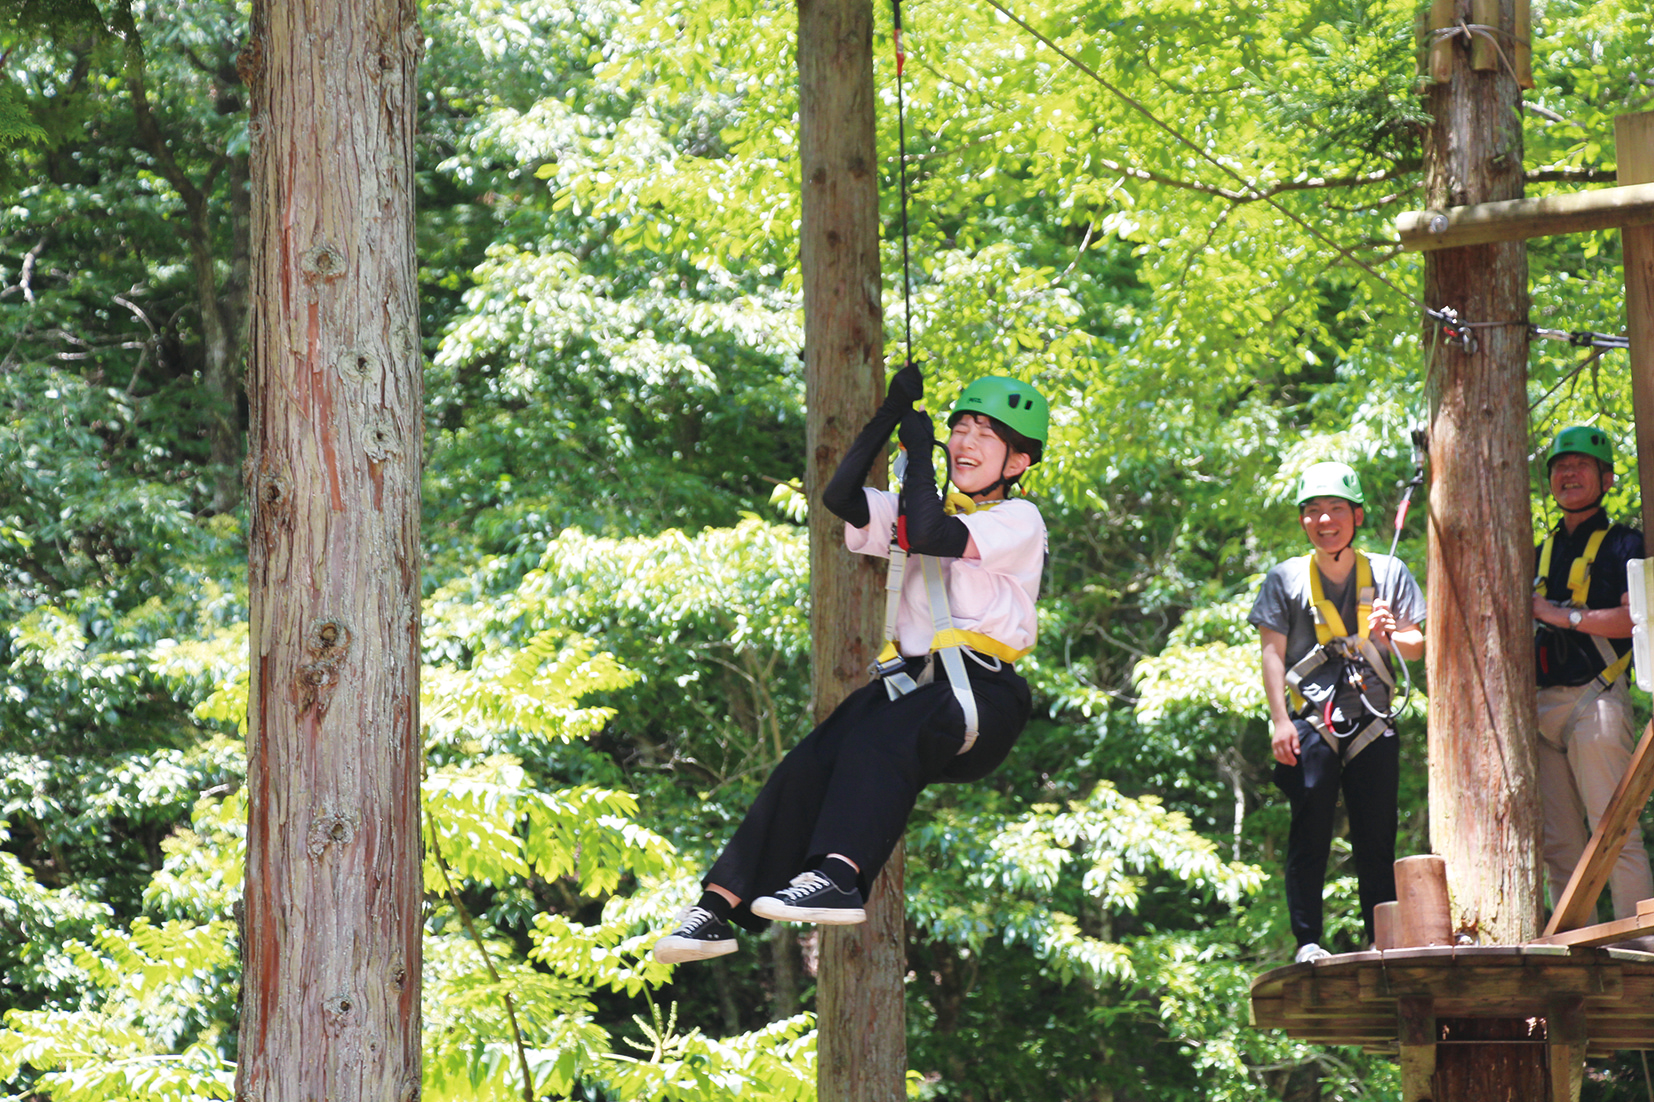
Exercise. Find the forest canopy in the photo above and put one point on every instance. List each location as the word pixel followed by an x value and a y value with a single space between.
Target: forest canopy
pixel 615 625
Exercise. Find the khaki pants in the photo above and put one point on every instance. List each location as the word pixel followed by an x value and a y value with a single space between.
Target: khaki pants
pixel 1575 786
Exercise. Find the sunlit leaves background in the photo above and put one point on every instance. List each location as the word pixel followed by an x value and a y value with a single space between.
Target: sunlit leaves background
pixel 615 628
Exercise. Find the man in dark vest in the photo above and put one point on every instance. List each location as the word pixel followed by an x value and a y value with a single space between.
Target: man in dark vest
pixel 1582 651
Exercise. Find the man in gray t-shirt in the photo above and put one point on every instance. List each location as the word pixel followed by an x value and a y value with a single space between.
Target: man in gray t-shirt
pixel 1330 721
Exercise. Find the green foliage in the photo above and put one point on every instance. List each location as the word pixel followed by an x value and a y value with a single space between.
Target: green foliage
pixel 145 1040
pixel 616 643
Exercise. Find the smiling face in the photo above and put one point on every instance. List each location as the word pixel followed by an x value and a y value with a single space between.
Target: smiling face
pixel 1579 481
pixel 1329 522
pixel 980 458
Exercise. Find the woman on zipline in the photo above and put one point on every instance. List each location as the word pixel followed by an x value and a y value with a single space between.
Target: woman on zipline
pixel 816 837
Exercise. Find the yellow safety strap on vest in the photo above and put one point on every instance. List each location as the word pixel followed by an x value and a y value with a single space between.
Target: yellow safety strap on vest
pixel 1579 588
pixel 975 640
pixel 1329 622
pixel 1579 574
pixel 1329 625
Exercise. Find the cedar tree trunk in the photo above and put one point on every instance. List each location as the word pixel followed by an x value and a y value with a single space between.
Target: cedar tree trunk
pixel 331 947
pixel 1484 797
pixel 862 1045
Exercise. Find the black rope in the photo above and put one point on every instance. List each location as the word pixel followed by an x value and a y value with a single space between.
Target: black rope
pixel 901 162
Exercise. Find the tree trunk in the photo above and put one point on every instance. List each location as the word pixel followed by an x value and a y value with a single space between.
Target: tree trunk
pixel 1484 805
pixel 862 1046
pixel 1484 799
pixel 331 949
pixel 221 309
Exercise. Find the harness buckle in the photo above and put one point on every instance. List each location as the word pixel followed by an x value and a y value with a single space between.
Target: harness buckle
pixel 881 670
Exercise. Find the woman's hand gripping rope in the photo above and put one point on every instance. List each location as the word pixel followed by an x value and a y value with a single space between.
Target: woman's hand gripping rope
pixel 906 386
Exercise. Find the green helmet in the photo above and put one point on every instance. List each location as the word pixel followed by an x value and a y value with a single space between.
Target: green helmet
pixel 1015 405
pixel 1581 440
pixel 1330 480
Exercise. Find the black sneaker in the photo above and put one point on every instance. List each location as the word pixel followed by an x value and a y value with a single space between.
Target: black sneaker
pixel 811 897
pixel 701 935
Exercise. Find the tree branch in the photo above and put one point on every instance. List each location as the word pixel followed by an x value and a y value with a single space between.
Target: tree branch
pixel 488 962
pixel 1563 175
pixel 154 142
pixel 1314 183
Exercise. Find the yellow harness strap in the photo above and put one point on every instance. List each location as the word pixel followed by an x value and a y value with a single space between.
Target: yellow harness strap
pixel 1329 625
pixel 1579 574
pixel 1579 588
pixel 1612 673
pixel 975 640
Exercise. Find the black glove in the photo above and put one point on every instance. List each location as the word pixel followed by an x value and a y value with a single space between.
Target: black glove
pixel 918 436
pixel 906 386
pixel 843 493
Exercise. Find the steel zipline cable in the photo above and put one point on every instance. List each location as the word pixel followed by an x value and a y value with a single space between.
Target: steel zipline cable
pixel 1251 188
pixel 1444 319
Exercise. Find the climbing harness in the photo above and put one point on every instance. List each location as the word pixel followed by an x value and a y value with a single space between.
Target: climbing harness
pixel 949 644
pixel 1334 643
pixel 1354 651
pixel 1579 588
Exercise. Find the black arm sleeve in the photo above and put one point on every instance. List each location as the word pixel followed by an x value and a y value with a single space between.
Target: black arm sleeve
pixel 843 496
pixel 930 531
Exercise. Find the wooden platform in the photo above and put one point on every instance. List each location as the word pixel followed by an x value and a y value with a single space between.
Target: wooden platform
pixel 1371 999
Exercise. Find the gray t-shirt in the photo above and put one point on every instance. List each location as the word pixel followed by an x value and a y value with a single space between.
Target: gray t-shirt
pixel 1283 605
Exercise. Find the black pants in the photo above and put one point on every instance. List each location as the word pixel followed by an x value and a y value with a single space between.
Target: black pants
pixel 850 784
pixel 1369 782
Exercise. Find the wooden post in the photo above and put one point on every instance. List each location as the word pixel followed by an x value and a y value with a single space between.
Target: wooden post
pixel 1421 897
pixel 1484 806
pixel 862 1045
pixel 1484 51
pixel 1509 1068
pixel 331 945
pixel 1634 149
pixel 1523 45
pixel 1443 14
pixel 1416 1022
pixel 1387 925
pixel 1565 1035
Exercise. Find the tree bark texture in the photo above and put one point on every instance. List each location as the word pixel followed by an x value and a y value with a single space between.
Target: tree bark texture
pixel 862 1046
pixel 331 942
pixel 1484 803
